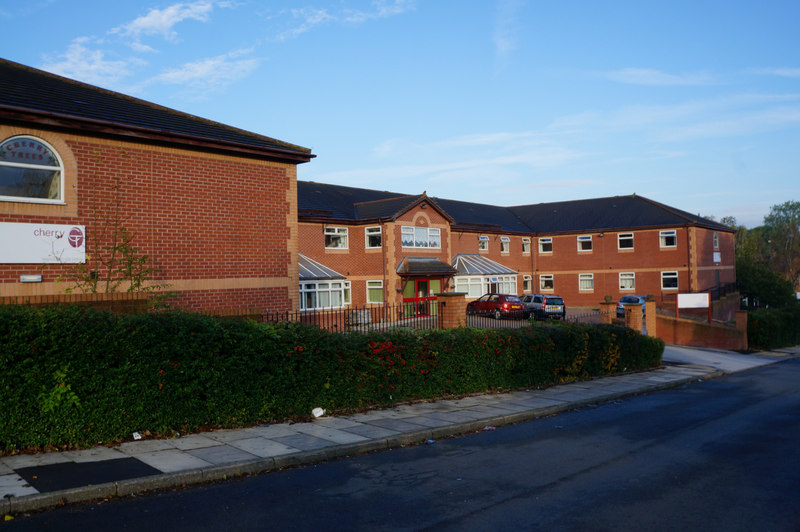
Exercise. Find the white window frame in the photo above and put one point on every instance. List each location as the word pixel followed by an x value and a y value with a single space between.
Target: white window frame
pixel 477 285
pixel 526 245
pixel 324 291
pixel 20 164
pixel 586 277
pixel 505 244
pixel 527 285
pixel 669 275
pixel 333 231
pixel 371 231
pixel 483 243
pixel 624 237
pixel 543 242
pixel 543 281
pixel 624 277
pixel 374 285
pixel 716 240
pixel 432 237
pixel 582 240
pixel 664 236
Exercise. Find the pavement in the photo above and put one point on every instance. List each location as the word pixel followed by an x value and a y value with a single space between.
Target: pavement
pixel 30 482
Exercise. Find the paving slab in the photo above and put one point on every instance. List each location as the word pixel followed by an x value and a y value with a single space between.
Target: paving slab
pixel 172 460
pixel 263 447
pixel 221 454
pixel 15 486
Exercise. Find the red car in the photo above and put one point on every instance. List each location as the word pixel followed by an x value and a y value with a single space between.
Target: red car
pixel 497 305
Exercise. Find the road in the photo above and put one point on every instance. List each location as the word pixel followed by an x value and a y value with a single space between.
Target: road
pixel 713 455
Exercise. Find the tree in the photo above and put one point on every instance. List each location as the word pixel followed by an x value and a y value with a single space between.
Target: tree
pixel 761 286
pixel 783 239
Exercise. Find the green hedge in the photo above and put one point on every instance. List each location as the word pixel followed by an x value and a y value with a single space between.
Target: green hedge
pixel 74 377
pixel 774 328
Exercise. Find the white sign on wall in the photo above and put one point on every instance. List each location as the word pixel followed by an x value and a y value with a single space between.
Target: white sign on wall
pixel 42 243
pixel 694 300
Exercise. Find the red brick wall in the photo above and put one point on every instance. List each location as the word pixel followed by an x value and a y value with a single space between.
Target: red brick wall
pixel 216 227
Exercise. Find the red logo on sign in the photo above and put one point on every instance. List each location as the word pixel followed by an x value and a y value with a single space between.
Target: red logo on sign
pixel 75 237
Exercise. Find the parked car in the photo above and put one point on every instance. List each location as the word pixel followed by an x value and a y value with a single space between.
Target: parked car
pixel 543 307
pixel 629 300
pixel 497 305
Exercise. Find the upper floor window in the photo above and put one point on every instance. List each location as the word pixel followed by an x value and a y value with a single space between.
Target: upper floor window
pixel 336 237
pixel 526 245
pixel 421 237
pixel 30 170
pixel 585 243
pixel 668 239
pixel 716 240
pixel 373 237
pixel 505 244
pixel 546 245
pixel 625 241
pixel 483 243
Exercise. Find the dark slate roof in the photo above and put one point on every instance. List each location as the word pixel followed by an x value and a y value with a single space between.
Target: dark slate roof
pixel 474 264
pixel 30 94
pixel 311 270
pixel 605 214
pixel 591 215
pixel 424 266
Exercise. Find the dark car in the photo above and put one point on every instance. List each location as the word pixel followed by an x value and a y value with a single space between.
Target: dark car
pixel 629 300
pixel 497 305
pixel 542 307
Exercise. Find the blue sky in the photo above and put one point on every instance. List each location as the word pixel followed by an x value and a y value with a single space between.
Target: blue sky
pixel 695 104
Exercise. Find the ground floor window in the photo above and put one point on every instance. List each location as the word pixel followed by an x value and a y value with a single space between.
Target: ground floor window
pixel 586 282
pixel 477 285
pixel 526 283
pixel 546 282
pixel 627 281
pixel 374 291
pixel 669 279
pixel 320 295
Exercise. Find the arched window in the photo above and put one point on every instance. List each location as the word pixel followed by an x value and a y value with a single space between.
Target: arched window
pixel 30 170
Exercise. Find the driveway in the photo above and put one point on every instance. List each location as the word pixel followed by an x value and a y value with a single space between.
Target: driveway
pixel 727 361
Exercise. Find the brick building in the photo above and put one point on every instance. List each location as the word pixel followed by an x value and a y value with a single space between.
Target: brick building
pixel 373 246
pixel 213 207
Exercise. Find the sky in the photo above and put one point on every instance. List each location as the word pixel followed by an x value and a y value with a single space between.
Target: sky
pixel 695 104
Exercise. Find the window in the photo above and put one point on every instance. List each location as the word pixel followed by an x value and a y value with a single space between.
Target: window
pixel 669 279
pixel 625 241
pixel 716 240
pixel 373 237
pixel 421 237
pixel 475 285
pixel 627 281
pixel 526 283
pixel 526 245
pixel 324 295
pixel 585 243
pixel 30 170
pixel 374 291
pixel 483 243
pixel 668 239
pixel 545 245
pixel 585 282
pixel 336 237
pixel 505 244
pixel 546 282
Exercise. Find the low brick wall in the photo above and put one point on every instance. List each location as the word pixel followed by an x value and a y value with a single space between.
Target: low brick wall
pixel 700 334
pixel 121 302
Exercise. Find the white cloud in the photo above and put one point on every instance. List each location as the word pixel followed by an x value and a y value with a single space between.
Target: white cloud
pixel 781 72
pixel 162 21
pixel 210 74
pixel 380 9
pixel 309 19
pixel 645 76
pixel 90 66
pixel 506 27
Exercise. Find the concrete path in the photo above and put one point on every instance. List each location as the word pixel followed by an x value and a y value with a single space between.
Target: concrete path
pixel 35 481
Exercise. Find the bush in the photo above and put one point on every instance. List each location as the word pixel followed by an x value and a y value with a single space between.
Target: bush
pixel 75 377
pixel 774 328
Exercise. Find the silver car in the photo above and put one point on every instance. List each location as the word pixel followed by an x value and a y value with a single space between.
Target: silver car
pixel 629 300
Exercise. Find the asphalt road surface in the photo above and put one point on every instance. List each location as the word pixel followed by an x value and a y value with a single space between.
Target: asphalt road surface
pixel 714 455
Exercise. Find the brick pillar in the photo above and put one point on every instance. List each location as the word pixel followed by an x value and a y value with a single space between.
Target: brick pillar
pixel 650 317
pixel 608 310
pixel 741 326
pixel 633 317
pixel 452 307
